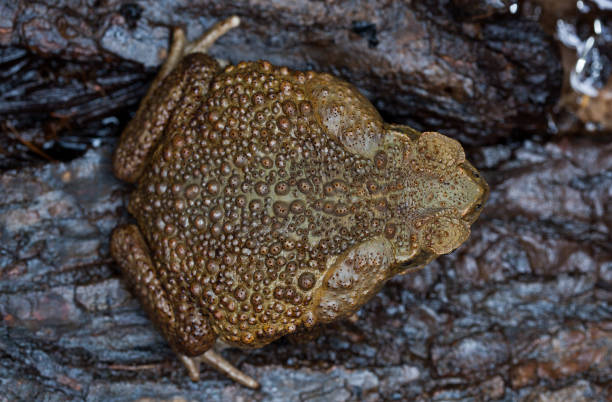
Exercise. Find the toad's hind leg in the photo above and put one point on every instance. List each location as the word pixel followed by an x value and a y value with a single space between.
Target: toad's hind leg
pixel 218 362
pixel 187 71
pixel 187 330
pixel 181 48
pixel 208 39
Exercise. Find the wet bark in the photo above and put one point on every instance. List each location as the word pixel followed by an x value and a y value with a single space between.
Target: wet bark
pixel 519 312
pixel 476 73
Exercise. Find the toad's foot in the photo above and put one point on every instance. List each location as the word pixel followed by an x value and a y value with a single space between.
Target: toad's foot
pixel 208 39
pixel 180 48
pixel 187 70
pixel 219 363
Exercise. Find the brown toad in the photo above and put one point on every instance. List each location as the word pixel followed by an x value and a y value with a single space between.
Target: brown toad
pixel 269 201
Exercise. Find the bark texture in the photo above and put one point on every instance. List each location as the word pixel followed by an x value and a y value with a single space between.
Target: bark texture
pixel 520 312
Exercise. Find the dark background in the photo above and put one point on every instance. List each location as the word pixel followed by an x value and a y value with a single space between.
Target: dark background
pixel 520 312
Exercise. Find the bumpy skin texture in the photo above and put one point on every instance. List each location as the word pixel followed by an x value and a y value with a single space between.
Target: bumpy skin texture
pixel 271 200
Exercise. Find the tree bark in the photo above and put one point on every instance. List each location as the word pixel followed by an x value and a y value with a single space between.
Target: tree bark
pixel 519 312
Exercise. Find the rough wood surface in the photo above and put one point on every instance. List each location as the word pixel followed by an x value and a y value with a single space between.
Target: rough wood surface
pixel 520 312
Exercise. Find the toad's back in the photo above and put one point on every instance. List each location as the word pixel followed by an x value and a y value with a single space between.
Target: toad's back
pixel 266 176
pixel 247 197
pixel 269 201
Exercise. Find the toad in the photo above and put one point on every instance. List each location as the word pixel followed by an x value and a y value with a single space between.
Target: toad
pixel 270 201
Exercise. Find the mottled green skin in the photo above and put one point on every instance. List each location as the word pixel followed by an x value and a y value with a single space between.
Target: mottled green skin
pixel 271 200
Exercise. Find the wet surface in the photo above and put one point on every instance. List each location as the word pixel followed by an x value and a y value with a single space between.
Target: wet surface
pixel 479 76
pixel 520 312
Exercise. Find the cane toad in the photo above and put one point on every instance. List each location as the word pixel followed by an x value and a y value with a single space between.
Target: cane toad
pixel 269 201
